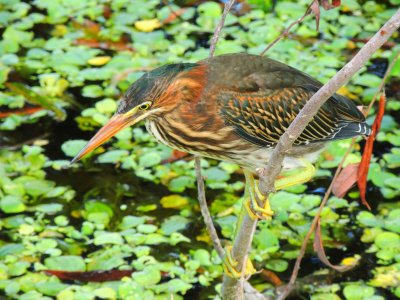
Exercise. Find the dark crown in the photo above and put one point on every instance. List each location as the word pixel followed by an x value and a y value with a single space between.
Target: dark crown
pixel 151 85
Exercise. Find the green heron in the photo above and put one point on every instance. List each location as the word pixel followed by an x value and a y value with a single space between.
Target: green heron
pixel 234 108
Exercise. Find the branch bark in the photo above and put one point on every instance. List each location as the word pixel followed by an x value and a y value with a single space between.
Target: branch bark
pixel 217 32
pixel 319 98
pixel 283 293
pixel 268 175
pixel 285 33
pixel 205 212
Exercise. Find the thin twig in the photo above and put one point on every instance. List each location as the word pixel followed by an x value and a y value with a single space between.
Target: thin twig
pixel 254 294
pixel 296 267
pixel 285 33
pixel 205 212
pixel 380 88
pixel 122 75
pixel 26 142
pixel 319 98
pixel 200 183
pixel 316 280
pixel 217 32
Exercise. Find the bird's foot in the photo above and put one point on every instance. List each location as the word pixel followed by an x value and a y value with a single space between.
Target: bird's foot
pixel 256 212
pixel 230 265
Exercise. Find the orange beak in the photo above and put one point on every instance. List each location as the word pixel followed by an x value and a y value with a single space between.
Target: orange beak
pixel 112 127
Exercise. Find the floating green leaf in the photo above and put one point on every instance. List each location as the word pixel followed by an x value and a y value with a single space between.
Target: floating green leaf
pixel 65 263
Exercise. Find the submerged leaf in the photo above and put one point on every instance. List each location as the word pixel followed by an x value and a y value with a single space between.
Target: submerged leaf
pixel 174 224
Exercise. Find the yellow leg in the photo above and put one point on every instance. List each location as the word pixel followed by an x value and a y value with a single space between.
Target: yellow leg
pixel 230 266
pixel 255 197
pixel 298 176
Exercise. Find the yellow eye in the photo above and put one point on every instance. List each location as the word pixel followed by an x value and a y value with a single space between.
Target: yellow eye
pixel 144 106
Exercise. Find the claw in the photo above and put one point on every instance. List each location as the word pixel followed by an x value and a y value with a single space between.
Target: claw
pixel 257 212
pixel 230 266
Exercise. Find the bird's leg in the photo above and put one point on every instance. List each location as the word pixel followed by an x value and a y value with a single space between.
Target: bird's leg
pixel 298 176
pixel 289 178
pixel 255 211
pixel 229 262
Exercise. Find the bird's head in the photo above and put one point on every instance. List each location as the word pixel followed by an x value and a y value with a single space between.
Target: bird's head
pixel 152 95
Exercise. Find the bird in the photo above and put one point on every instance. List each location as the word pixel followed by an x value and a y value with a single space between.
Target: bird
pixel 234 108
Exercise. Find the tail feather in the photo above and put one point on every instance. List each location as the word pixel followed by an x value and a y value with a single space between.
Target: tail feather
pixel 353 129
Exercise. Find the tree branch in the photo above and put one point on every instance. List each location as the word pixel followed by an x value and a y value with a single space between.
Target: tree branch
pixel 290 286
pixel 319 98
pixel 200 183
pixel 268 176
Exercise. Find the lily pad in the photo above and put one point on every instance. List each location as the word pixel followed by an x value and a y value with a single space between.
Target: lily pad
pixel 12 204
pixel 387 240
pixel 174 224
pixel 65 263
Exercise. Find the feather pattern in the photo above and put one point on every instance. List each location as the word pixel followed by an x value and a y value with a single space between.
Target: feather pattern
pixel 262 118
pixel 263 105
pixel 236 107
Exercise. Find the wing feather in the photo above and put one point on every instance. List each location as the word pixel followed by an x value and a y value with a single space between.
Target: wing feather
pixel 262 117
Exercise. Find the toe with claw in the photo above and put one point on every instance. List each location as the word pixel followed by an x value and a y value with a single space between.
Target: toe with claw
pixel 230 265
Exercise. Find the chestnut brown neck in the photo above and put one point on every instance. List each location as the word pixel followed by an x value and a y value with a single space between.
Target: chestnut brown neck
pixel 186 87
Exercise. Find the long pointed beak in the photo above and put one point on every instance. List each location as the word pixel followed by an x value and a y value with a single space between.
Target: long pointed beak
pixel 111 128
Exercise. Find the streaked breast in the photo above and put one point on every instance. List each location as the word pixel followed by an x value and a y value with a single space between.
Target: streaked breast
pixel 221 143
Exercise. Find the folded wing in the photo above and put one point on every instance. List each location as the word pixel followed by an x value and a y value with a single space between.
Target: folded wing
pixel 262 117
